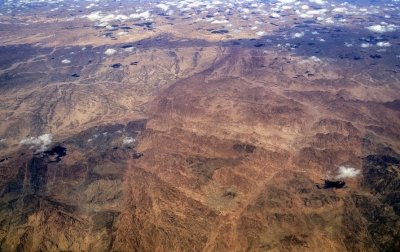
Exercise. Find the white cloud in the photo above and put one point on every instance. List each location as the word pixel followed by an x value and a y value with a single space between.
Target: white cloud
pixel 143 15
pixel 383 44
pixel 162 6
pixel 110 51
pixel 340 10
pixel 320 2
pixel 347 172
pixel 122 33
pixel 275 15
pixel 298 35
pixel 128 141
pixel 305 7
pixel 329 21
pixel 315 59
pixel 129 49
pixel 382 28
pixel 65 61
pixel 94 16
pixel 41 141
pixel 220 22
pixel 310 60
pixel 316 12
pixel 261 33
pixel 287 1
pixel 365 45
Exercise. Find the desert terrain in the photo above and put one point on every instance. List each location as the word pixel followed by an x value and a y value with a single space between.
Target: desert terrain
pixel 199 126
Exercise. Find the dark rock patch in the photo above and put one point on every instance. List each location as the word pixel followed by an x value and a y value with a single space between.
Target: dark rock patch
pixel 332 184
pixel 137 155
pixel 293 241
pixel 205 167
pixel 230 194
pixel 117 65
pixel 382 160
pixel 247 148
pixel 37 170
pixel 375 56
pixel 395 105
pixel 104 220
pixel 4 159
pixel 57 152
pixel 126 46
pixel 220 32
pixel 136 126
pixel 147 25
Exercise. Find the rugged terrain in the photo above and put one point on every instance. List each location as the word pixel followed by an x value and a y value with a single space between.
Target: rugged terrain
pixel 200 143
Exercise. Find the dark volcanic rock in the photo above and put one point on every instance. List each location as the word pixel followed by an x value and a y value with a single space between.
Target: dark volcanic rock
pixel 381 174
pixel 37 172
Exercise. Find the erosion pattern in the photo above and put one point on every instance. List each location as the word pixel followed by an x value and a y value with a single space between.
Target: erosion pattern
pixel 195 145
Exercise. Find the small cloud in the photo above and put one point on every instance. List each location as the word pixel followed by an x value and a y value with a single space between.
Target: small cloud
pixel 365 45
pixel 347 172
pixel 122 33
pixel 305 7
pixel 261 33
pixel 129 49
pixel 315 59
pixel 381 28
pixel 298 35
pixel 383 44
pixel 143 15
pixel 287 1
pixel 220 22
pixel 162 6
pixel 340 10
pixel 66 61
pixel 320 2
pixel 128 141
pixel 94 16
pixel 41 142
pixel 312 59
pixel 347 44
pixel 275 15
pixel 110 52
